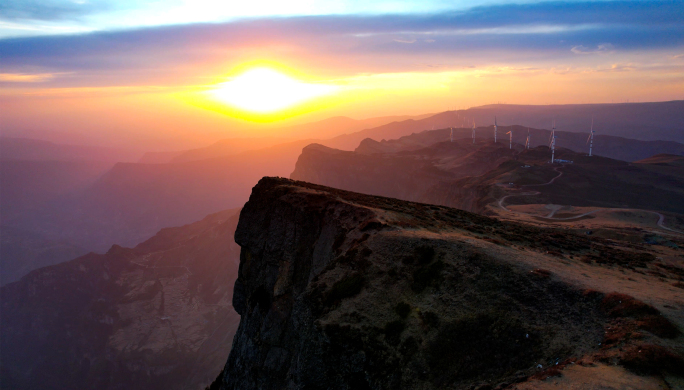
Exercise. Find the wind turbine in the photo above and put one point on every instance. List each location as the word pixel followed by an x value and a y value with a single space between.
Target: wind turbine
pixel 473 131
pixel 495 129
pixel 552 144
pixel 527 142
pixel 510 140
pixel 590 140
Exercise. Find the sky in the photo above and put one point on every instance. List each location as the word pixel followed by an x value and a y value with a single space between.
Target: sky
pixel 171 74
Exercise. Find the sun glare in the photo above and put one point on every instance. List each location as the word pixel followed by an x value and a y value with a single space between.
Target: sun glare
pixel 263 90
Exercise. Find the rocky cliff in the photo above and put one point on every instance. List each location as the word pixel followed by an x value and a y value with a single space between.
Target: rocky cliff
pixel 338 290
pixel 157 316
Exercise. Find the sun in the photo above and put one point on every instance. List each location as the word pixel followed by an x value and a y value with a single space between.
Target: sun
pixel 264 91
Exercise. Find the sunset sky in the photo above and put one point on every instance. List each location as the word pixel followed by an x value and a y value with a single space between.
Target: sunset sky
pixel 166 74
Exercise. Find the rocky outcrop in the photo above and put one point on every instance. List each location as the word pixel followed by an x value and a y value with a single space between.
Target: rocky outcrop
pixel 338 290
pixel 157 316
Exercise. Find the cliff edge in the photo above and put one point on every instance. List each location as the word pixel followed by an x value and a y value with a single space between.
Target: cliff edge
pixel 338 290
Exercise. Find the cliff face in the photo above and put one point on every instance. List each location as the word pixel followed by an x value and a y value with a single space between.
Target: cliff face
pixel 338 290
pixel 157 316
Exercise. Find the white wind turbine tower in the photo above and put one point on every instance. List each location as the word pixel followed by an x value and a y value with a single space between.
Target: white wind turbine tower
pixel 590 140
pixel 473 131
pixel 552 141
pixel 495 129
pixel 510 140
pixel 527 142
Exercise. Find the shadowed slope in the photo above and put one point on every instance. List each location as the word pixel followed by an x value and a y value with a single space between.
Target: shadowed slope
pixel 339 290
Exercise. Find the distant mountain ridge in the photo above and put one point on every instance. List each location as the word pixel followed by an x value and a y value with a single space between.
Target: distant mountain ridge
pixel 618 148
pixel 27 149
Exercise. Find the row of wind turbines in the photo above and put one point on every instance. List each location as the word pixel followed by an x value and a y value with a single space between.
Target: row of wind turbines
pixel 552 138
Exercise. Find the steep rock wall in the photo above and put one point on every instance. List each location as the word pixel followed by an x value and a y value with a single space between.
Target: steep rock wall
pixel 345 291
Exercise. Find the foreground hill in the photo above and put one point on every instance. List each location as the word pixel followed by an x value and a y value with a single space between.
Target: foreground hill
pixel 338 290
pixel 157 316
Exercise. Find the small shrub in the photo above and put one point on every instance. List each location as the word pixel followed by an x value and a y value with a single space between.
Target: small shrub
pixel 622 305
pixel 409 347
pixel 659 326
pixel 430 319
pixel 652 359
pixel 393 331
pixel 402 309
pixel 425 254
pixel 345 288
pixel 424 276
pixel 478 346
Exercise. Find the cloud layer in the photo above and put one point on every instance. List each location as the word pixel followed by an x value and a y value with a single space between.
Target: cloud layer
pixel 549 34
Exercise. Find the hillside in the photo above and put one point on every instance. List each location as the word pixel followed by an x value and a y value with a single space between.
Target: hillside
pixel 474 176
pixel 664 159
pixel 157 316
pixel 339 290
pixel 588 181
pixel 405 175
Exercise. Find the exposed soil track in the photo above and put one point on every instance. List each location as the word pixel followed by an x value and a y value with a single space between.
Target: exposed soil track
pixel 550 216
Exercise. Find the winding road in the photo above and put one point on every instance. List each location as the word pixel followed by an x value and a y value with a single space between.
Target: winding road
pixel 661 217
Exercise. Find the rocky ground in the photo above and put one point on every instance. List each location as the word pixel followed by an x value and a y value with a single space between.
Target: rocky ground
pixel 339 290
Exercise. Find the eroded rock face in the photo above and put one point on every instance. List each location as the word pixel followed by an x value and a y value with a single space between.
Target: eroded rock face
pixel 346 291
pixel 157 316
